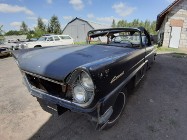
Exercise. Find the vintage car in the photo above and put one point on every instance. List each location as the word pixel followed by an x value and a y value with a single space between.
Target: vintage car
pixel 4 50
pixel 48 40
pixel 89 79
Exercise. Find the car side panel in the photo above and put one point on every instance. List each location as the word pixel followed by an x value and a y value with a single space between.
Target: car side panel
pixel 108 77
pixel 113 77
pixel 150 53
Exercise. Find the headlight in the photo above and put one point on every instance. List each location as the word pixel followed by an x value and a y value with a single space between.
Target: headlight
pixel 79 94
pixel 87 81
pixel 83 90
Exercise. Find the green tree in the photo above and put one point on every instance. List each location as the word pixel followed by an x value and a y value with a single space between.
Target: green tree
pixel 1 33
pixel 113 23
pixel 24 28
pixel 148 25
pixel 54 25
pixel 13 32
pixel 40 24
pixel 153 27
pixel 1 30
pixel 135 23
pixel 31 34
pixel 39 30
pixel 48 28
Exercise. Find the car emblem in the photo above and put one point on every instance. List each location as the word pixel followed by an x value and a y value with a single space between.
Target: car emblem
pixel 117 77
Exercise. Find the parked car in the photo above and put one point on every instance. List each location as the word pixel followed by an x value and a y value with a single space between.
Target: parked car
pixel 9 45
pixel 49 40
pixel 4 51
pixel 32 39
pixel 89 79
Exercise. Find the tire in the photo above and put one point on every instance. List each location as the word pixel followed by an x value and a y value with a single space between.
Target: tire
pixel 37 46
pixel 118 108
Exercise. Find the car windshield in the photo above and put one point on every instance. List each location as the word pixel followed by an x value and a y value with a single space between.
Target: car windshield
pixel 2 42
pixel 42 39
pixel 119 37
pixel 134 39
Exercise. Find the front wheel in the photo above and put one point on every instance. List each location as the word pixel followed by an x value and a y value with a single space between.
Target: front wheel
pixel 37 46
pixel 117 109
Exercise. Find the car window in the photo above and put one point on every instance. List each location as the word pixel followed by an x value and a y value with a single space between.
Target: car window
pixel 65 37
pixel 134 39
pixel 56 38
pixel 42 39
pixel 50 39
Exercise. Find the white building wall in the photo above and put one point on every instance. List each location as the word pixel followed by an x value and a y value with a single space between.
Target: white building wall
pixel 78 30
pixel 179 12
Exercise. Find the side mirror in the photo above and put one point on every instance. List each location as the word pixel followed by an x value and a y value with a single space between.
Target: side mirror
pixel 146 42
pixel 154 39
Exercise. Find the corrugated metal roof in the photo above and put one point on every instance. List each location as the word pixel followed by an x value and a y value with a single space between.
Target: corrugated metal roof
pixel 97 25
pixel 94 25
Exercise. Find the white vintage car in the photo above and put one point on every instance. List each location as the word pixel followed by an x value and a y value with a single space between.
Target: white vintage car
pixel 49 40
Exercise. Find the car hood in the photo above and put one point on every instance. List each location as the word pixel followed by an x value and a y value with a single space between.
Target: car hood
pixel 58 62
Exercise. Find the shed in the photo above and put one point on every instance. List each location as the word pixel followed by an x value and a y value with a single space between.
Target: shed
pixel 78 28
pixel 172 25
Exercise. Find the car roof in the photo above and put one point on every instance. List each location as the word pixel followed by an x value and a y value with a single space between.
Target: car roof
pixel 104 32
pixel 48 35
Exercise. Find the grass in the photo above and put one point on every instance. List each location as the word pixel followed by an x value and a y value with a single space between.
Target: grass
pixel 84 43
pixel 80 43
pixel 176 52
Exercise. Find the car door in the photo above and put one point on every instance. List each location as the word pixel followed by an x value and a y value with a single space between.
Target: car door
pixel 66 40
pixel 49 41
pixel 57 41
pixel 149 49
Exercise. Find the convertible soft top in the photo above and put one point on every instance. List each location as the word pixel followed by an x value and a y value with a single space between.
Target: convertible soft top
pixel 105 32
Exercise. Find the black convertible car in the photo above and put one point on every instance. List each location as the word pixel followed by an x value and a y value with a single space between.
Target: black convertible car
pixel 92 79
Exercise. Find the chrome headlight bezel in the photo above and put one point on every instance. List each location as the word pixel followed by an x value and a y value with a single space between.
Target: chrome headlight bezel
pixel 89 85
pixel 75 95
pixel 89 92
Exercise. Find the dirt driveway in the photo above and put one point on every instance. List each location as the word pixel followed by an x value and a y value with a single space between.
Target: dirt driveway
pixel 157 109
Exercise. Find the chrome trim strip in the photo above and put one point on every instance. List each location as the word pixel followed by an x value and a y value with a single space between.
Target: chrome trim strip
pixel 44 78
pixel 153 51
pixel 41 92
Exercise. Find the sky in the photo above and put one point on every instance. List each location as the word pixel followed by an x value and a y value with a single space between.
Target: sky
pixel 13 12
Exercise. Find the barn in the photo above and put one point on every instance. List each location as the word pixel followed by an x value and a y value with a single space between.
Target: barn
pixel 78 28
pixel 172 25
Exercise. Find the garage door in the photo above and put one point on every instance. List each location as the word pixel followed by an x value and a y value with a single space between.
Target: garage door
pixel 81 33
pixel 74 33
pixel 175 37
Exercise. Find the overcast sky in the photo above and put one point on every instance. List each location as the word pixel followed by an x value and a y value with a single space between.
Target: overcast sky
pixel 13 12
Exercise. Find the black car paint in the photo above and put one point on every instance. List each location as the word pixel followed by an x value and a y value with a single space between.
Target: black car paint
pixel 46 62
pixel 102 62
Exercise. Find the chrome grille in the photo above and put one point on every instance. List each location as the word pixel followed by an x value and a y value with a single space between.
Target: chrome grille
pixel 47 85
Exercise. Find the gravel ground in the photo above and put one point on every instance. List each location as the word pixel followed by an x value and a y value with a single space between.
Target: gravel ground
pixel 156 110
